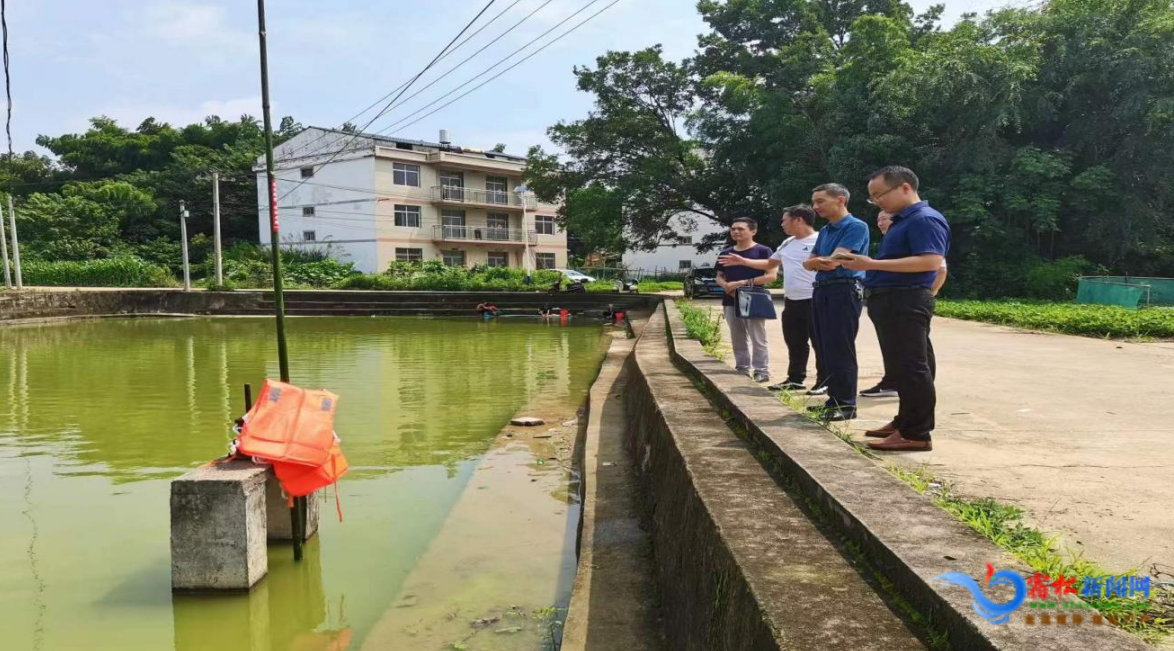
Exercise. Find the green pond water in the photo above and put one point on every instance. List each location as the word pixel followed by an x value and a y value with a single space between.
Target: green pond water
pixel 457 533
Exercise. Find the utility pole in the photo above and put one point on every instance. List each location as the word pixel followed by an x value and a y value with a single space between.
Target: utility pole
pixel 298 511
pixel 4 252
pixel 216 228
pixel 183 240
pixel 522 191
pixel 15 245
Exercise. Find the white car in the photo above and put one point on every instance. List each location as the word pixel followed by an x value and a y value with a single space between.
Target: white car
pixel 573 275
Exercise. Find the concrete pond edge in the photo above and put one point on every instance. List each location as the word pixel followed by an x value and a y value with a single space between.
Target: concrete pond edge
pixel 901 533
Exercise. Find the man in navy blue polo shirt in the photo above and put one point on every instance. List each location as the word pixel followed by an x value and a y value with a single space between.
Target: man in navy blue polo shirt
pixel 901 302
pixel 837 299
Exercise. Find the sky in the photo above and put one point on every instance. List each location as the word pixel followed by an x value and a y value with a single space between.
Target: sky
pixel 181 60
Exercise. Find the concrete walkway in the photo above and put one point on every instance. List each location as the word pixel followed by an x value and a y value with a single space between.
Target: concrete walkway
pixel 1074 430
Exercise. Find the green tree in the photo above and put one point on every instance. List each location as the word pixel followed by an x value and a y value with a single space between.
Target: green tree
pixel 1043 133
pixel 82 222
pixel 631 162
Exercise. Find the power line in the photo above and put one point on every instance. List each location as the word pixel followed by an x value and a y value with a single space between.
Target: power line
pixel 446 54
pixel 7 75
pixel 490 68
pixel 482 84
pixel 483 48
pixel 405 89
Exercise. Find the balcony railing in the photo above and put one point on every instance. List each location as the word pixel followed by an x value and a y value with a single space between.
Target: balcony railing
pixel 481 234
pixel 451 194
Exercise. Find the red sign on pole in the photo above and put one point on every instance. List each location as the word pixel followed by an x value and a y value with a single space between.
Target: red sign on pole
pixel 275 222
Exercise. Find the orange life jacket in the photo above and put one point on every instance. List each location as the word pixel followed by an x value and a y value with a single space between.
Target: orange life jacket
pixel 299 481
pixel 290 425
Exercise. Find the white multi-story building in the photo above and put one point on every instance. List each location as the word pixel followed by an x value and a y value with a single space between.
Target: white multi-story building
pixel 679 255
pixel 386 199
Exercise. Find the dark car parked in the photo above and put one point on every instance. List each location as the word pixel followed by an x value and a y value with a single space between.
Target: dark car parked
pixel 702 282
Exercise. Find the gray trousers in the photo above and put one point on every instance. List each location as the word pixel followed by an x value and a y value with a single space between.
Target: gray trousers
pixel 748 339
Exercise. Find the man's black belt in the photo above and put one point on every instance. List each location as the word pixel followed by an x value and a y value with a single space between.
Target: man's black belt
pixel 876 291
pixel 836 281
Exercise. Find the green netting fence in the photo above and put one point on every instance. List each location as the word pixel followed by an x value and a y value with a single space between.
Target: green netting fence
pixel 1125 291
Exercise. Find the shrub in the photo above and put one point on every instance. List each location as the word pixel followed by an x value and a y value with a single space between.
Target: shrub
pixel 1056 280
pixel 1067 318
pixel 645 286
pixel 434 275
pixel 249 265
pixel 107 272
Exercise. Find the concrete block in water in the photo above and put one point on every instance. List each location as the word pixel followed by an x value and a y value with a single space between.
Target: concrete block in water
pixel 280 526
pixel 218 522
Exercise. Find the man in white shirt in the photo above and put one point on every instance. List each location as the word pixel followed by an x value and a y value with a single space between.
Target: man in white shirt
pixel 799 224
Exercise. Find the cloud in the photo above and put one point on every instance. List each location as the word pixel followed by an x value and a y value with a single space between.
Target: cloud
pixel 203 28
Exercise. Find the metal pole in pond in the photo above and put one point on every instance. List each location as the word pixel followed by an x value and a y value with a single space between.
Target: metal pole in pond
pixel 275 246
pixel 4 251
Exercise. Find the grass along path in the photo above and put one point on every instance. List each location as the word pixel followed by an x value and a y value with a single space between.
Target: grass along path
pixel 1101 321
pixel 1151 619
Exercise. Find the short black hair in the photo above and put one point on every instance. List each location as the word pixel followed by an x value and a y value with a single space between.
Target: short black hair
pixel 834 189
pixel 750 222
pixel 895 175
pixel 801 211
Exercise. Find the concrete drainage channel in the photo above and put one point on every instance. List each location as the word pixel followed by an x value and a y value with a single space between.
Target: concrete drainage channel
pixel 765 531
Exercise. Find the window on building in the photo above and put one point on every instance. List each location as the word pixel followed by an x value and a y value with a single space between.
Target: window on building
pixel 497 189
pixel 452 186
pixel 307 172
pixel 405 174
pixel 498 226
pixel 684 265
pixel 544 260
pixel 685 239
pixel 408 255
pixel 307 211
pixel 407 216
pixel 498 259
pixel 309 236
pixel 404 145
pixel 454 258
pixel 544 224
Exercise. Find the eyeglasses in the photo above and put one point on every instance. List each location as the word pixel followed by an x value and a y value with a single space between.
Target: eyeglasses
pixel 873 200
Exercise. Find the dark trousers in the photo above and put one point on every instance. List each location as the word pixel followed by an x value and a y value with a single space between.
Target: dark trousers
pixel 798 325
pixel 888 382
pixel 837 320
pixel 902 319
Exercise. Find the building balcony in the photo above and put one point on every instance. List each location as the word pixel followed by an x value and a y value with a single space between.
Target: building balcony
pixel 482 235
pixel 452 196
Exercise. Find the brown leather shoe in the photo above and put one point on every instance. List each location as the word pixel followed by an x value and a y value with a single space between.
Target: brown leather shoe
pixel 882 432
pixel 896 443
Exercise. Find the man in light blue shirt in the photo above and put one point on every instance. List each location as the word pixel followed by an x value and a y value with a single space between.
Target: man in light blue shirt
pixel 838 298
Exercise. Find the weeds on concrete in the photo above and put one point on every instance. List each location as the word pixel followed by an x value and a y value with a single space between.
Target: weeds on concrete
pixel 704 325
pixel 1003 525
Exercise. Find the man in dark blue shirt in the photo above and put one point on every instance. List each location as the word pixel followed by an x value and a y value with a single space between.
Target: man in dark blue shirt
pixel 836 300
pixel 901 302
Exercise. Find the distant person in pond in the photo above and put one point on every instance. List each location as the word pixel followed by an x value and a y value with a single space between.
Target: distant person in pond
pixel 899 283
pixel 547 311
pixel 487 309
pixel 747 336
pixel 887 388
pixel 798 224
